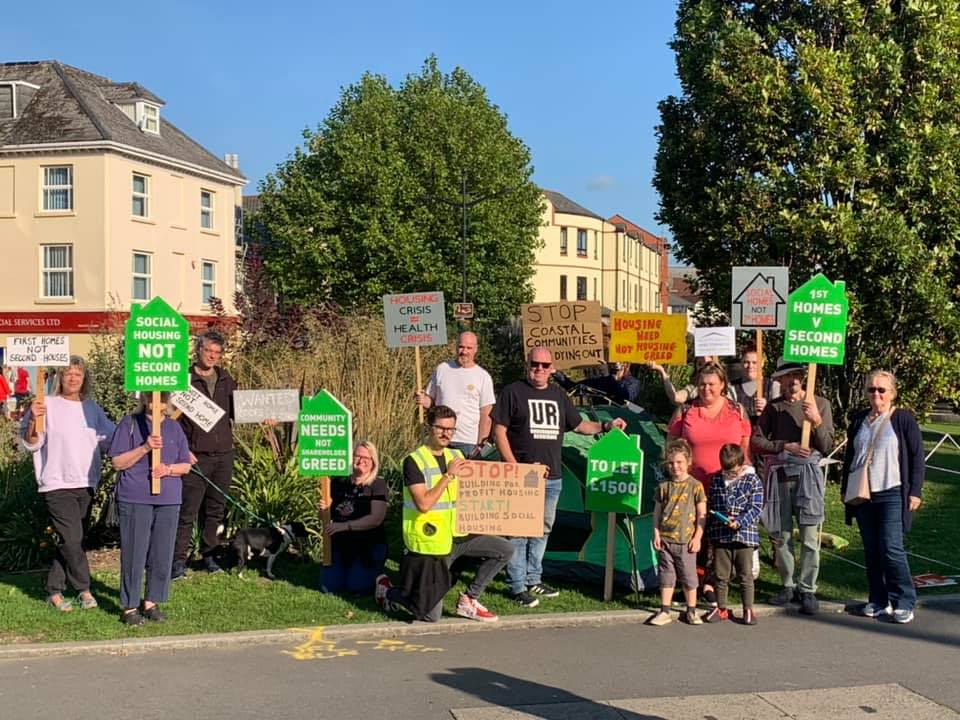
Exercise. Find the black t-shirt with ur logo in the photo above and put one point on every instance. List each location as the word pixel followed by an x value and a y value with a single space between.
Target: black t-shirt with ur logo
pixel 536 421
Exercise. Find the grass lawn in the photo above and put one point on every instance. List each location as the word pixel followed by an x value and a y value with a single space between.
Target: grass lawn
pixel 225 602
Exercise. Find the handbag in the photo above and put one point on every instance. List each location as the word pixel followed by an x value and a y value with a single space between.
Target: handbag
pixel 858 482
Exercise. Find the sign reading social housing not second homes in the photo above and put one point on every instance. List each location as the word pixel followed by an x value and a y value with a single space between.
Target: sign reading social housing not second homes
pixel 817 322
pixel 415 319
pixel 572 331
pixel 156 349
pixel 325 444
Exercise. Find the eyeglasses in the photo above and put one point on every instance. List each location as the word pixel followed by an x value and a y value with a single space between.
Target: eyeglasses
pixel 444 430
pixel 544 365
pixel 881 390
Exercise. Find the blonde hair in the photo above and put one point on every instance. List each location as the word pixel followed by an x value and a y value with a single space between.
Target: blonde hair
pixel 374 456
pixel 75 362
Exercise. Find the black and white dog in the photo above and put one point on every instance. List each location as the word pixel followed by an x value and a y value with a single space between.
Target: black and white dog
pixel 270 542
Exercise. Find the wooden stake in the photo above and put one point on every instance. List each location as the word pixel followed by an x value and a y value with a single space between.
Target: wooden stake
pixel 155 420
pixel 611 546
pixel 416 351
pixel 811 385
pixel 325 520
pixel 759 365
pixel 41 422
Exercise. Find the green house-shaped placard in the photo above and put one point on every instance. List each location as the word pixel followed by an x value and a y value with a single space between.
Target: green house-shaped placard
pixel 614 474
pixel 325 446
pixel 156 349
pixel 816 329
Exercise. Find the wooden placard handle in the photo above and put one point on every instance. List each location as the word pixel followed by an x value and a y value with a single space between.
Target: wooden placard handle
pixel 811 385
pixel 416 354
pixel 608 563
pixel 325 520
pixel 759 365
pixel 41 422
pixel 155 420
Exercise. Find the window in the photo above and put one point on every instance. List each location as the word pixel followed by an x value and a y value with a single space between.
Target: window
pixel 563 241
pixel 141 196
pixel 57 274
pixel 6 102
pixel 624 296
pixel 626 242
pixel 594 288
pixel 563 287
pixel 206 210
pixel 581 243
pixel 581 288
pixel 208 281
pixel 58 188
pixel 595 244
pixel 151 119
pixel 141 276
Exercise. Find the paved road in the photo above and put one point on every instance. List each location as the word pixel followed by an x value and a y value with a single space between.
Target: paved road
pixel 568 670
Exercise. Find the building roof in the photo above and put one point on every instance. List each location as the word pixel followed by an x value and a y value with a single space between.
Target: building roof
pixel 563 204
pixel 251 204
pixel 654 242
pixel 73 105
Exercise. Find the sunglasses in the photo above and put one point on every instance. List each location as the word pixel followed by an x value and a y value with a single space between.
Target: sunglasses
pixel 534 365
pixel 444 430
pixel 881 390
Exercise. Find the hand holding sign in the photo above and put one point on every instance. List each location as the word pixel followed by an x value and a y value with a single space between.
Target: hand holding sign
pixel 40 351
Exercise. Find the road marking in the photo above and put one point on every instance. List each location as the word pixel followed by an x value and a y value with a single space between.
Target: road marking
pixel 317 647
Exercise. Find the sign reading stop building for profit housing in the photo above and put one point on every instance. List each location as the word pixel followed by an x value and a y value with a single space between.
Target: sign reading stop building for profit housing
pixel 414 319
pixel 817 322
pixel 643 337
pixel 157 349
pixel 571 331
pixel 325 445
pixel 497 498
pixel 614 474
pixel 759 297
pixel 38 350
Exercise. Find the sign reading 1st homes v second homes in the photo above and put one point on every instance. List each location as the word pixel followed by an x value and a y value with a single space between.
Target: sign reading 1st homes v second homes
pixel 157 349
pixel 414 319
pixel 325 445
pixel 817 322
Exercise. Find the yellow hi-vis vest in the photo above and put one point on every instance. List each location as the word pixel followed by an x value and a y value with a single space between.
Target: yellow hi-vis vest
pixel 431 532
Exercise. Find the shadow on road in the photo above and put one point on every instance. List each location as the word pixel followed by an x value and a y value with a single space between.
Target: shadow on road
pixel 532 698
pixel 934 624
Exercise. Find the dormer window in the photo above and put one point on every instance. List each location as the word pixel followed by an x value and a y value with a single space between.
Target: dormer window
pixel 149 118
pixel 14 96
pixel 6 102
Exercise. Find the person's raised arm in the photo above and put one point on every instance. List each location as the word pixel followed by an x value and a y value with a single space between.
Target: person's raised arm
pixel 425 499
pixel 673 395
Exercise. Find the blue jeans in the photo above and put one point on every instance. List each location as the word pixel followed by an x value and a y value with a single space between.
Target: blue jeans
pixel 465 448
pixel 526 566
pixel 353 576
pixel 881 528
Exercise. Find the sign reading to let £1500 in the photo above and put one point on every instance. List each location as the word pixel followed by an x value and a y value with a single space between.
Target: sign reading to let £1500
pixel 614 474
pixel 157 349
pixel 817 322
pixel 415 319
pixel 325 445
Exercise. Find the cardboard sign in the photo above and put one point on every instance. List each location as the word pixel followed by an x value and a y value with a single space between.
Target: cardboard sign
pixel 156 349
pixel 714 341
pixel 817 322
pixel 198 407
pixel 614 474
pixel 929 580
pixel 759 297
pixel 254 406
pixel 643 337
pixel 325 445
pixel 415 319
pixel 496 498
pixel 571 331
pixel 38 351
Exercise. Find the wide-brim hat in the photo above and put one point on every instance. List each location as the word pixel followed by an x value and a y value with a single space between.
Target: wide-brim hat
pixel 785 368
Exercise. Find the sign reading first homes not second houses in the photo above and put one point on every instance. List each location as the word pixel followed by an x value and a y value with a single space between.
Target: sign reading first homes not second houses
pixel 415 319
pixel 817 322
pixel 325 445
pixel 156 349
pixel 38 350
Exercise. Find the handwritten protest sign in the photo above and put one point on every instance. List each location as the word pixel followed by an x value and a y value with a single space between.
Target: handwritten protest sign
pixel 643 337
pixel 254 406
pixel 38 351
pixel 571 331
pixel 198 407
pixel 496 498
pixel 714 341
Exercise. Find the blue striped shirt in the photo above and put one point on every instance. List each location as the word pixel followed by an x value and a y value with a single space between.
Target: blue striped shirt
pixel 740 499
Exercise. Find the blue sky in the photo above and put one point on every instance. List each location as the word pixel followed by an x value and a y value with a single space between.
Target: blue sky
pixel 578 81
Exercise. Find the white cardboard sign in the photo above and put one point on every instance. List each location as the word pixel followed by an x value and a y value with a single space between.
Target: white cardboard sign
pixel 414 319
pixel 198 407
pixel 759 297
pixel 715 341
pixel 254 406
pixel 38 350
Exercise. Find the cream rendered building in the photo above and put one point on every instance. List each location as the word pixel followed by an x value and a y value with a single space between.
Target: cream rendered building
pixel 104 203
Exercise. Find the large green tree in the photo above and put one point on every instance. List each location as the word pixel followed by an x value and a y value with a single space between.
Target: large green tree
pixel 371 203
pixel 825 135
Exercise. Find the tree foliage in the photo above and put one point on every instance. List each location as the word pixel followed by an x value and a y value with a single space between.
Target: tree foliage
pixel 825 135
pixel 371 203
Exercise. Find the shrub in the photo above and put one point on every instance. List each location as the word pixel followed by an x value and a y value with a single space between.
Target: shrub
pixel 26 538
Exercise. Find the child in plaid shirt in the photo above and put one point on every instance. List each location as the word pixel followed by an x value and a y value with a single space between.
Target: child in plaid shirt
pixel 734 502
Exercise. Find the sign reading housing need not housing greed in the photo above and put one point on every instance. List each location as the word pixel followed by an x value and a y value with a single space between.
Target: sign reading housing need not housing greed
pixel 643 337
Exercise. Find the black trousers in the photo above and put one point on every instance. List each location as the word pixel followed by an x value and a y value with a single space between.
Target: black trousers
pixel 203 502
pixel 69 510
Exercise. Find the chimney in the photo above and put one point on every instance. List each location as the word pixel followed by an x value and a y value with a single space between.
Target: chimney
pixel 233 160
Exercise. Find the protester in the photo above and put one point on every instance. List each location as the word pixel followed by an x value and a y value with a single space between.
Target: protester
pixel 467 389
pixel 735 502
pixel 431 543
pixel 9 381
pixel 745 388
pixel 21 387
pixel 66 460
pixel 688 393
pixel 5 392
pixel 885 442
pixel 794 481
pixel 148 523
pixel 679 514
pixel 358 539
pixel 213 454
pixel 530 419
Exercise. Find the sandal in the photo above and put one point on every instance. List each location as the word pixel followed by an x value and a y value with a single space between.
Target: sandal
pixel 153 613
pixel 87 603
pixel 62 605
pixel 132 617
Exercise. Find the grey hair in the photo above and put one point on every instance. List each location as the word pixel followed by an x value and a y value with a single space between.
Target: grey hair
pixel 884 374
pixel 210 336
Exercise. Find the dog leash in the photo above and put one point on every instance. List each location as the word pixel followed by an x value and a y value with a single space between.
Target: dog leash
pixel 195 469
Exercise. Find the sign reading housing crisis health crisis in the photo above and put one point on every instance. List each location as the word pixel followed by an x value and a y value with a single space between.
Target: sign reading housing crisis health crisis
pixel 156 349
pixel 817 322
pixel 571 331
pixel 643 337
pixel 38 350
pixel 495 498
pixel 415 319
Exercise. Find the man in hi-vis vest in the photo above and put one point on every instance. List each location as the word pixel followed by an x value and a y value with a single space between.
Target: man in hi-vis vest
pixel 430 538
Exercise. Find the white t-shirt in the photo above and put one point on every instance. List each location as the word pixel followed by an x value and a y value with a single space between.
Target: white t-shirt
pixel 465 391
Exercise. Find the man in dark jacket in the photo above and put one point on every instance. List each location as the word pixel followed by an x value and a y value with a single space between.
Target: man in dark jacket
pixel 213 451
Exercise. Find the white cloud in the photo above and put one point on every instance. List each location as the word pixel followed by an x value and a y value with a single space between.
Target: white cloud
pixel 601 182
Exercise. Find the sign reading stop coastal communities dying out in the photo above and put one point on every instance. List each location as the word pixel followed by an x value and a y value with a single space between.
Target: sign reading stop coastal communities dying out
pixel 614 474
pixel 325 444
pixel 157 349
pixel 572 331
pixel 817 322
pixel 415 319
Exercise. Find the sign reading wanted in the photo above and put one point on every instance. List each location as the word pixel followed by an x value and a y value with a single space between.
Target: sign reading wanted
pixel 496 498
pixel 415 319
pixel 571 331
pixel 38 351
pixel 254 406
pixel 198 407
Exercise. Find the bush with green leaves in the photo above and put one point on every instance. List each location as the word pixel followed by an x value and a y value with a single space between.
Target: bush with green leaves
pixel 26 538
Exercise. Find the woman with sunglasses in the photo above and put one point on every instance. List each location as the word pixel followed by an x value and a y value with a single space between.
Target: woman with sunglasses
pixel 890 437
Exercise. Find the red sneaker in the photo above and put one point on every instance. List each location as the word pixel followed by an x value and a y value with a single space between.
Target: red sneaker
pixel 380 590
pixel 717 615
pixel 471 609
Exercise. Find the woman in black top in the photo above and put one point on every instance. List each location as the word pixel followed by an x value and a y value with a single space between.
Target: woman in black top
pixel 357 509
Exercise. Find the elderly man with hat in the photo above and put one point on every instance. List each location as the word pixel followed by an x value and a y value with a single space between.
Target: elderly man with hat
pixel 794 481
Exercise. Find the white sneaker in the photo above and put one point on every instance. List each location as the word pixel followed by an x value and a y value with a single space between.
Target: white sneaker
pixel 872 610
pixel 902 616
pixel 380 590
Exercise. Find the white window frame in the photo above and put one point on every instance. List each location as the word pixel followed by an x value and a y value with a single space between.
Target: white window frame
pixel 145 195
pixel 46 272
pixel 46 188
pixel 204 282
pixel 583 248
pixel 147 276
pixel 563 241
pixel 209 212
pixel 150 118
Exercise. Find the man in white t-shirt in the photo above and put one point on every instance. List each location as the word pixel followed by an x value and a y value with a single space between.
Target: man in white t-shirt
pixel 467 388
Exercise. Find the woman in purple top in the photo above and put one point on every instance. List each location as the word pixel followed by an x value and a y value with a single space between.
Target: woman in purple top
pixel 148 523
